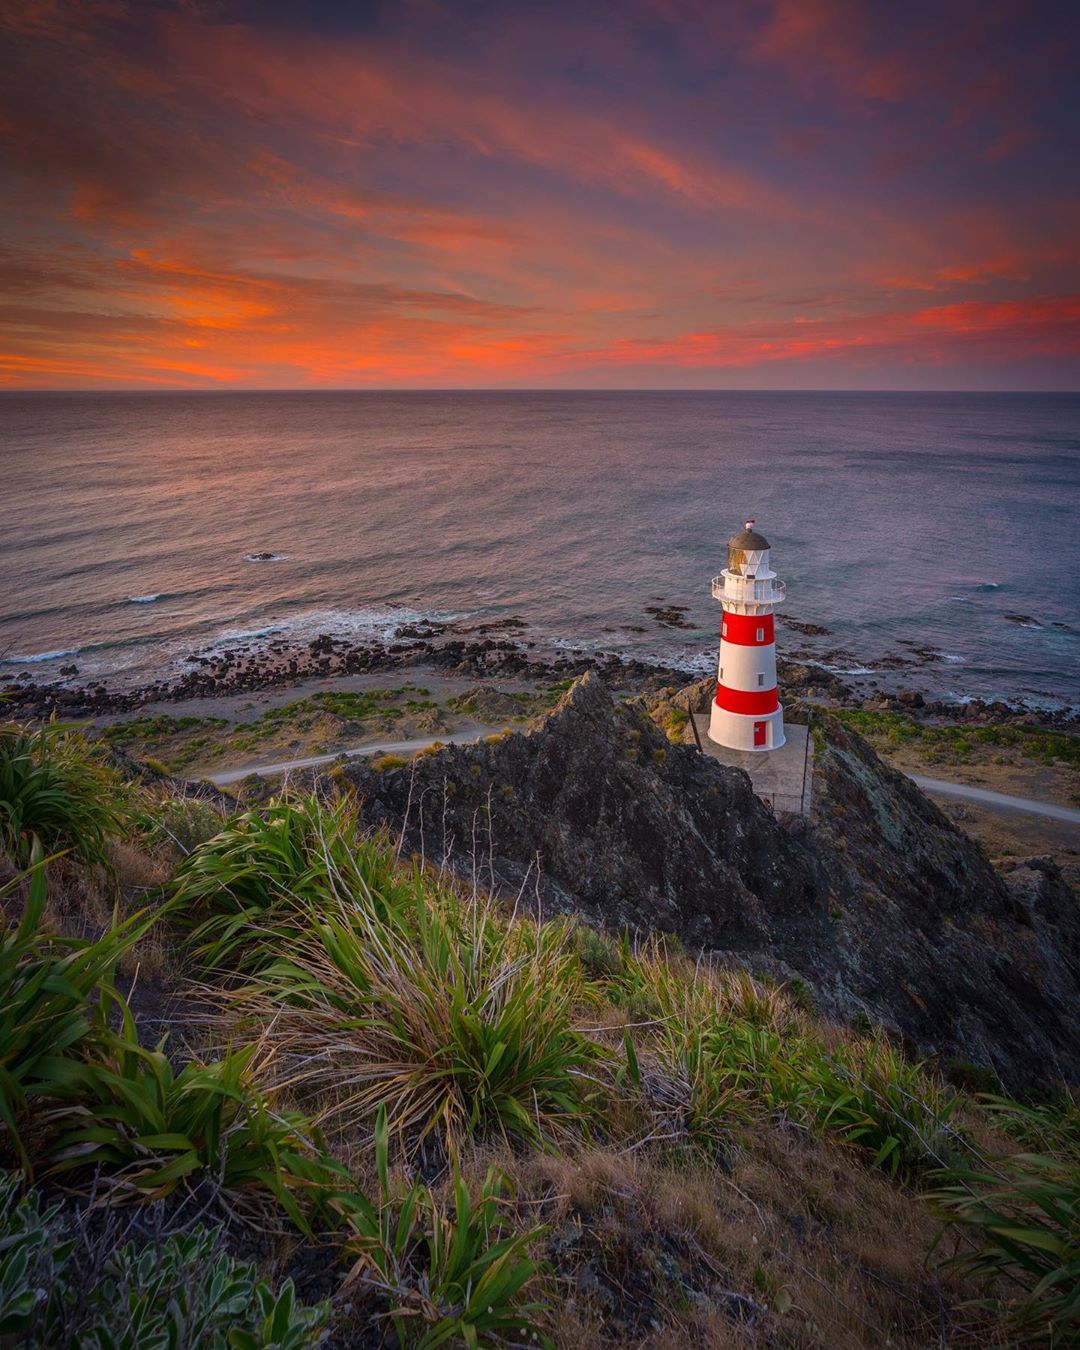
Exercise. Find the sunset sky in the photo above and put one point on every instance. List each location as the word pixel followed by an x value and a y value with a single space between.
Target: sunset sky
pixel 645 194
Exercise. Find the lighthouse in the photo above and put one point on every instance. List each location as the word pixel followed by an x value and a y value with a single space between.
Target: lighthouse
pixel 746 712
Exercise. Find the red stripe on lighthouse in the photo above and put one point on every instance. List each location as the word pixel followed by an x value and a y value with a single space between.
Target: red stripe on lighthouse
pixel 756 702
pixel 743 629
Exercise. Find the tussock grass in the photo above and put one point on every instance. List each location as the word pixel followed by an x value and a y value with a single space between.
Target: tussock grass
pixel 128 1127
pixel 242 892
pixel 460 1022
pixel 452 1272
pixel 49 987
pixel 617 1142
pixel 55 787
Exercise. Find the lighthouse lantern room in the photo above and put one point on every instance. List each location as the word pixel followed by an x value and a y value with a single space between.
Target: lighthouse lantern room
pixel 746 712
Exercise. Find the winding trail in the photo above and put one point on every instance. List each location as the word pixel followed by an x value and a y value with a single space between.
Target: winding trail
pixel 996 801
pixel 228 776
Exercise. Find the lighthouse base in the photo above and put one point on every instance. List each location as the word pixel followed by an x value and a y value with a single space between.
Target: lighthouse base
pixel 745 731
pixel 784 780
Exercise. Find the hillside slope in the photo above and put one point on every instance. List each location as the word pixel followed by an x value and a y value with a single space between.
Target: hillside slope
pixel 880 905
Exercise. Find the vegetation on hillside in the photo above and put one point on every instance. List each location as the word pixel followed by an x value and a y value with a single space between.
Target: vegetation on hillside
pixel 359 1100
pixel 957 743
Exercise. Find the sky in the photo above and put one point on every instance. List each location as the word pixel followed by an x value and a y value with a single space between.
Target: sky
pixel 774 194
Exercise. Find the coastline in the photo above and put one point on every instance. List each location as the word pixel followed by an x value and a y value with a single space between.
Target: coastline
pixel 504 648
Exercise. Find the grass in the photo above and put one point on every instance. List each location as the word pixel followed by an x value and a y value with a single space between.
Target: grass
pixel 329 715
pixel 49 988
pixel 961 743
pixel 245 886
pixel 452 1274
pixel 134 1130
pixel 535 1130
pixel 459 1021
pixel 55 787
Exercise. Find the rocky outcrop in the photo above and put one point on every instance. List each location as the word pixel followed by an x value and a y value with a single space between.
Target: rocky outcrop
pixel 879 904
pixel 927 937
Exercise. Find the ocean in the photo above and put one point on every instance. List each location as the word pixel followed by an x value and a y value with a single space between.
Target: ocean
pixel 133 524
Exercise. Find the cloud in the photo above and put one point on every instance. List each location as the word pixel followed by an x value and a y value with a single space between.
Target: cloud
pixel 543 198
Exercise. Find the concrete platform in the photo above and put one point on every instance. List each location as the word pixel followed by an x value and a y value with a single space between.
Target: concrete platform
pixel 782 778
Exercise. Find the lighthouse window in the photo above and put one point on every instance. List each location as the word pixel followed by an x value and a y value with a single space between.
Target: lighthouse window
pixel 761 679
pixel 723 631
pixel 761 634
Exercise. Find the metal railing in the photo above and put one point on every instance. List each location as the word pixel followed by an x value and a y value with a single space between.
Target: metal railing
pixel 747 590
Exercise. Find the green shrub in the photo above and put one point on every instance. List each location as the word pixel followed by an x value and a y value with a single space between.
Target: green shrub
pixel 602 957
pixel 32 1260
pixel 450 1275
pixel 1022 1219
pixel 182 823
pixel 244 892
pixel 135 1130
pixel 48 986
pixel 462 1022
pixel 183 1292
pixel 56 787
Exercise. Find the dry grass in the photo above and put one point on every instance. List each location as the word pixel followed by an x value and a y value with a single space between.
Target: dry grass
pixel 796 1246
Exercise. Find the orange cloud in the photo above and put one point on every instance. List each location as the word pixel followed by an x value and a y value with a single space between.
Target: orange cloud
pixel 195 203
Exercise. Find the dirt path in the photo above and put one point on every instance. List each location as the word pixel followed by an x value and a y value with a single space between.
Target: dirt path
pixel 409 747
pixel 1000 801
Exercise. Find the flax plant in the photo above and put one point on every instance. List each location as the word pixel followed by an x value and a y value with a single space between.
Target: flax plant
pixel 56 787
pixel 243 892
pixel 459 1022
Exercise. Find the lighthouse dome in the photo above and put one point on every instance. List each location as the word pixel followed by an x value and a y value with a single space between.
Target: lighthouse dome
pixel 748 540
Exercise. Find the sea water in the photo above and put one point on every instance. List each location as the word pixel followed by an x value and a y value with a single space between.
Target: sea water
pixel 135 527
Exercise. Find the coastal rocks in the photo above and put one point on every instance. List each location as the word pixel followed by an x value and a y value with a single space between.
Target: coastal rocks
pixel 1022 620
pixel 880 905
pixel 807 629
pixel 597 812
pixel 669 616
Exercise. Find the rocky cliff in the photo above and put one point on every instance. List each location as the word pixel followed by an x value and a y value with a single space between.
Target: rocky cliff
pixel 879 904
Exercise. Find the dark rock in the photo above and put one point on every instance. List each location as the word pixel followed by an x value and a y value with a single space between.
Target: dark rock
pixel 670 616
pixel 880 904
pixel 809 629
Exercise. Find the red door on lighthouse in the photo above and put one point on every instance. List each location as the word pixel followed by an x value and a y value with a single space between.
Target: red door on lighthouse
pixel 759 733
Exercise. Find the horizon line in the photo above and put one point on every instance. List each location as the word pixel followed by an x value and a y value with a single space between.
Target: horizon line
pixel 510 389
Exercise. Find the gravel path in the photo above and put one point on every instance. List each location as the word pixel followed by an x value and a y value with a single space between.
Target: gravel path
pixel 228 776
pixel 1000 801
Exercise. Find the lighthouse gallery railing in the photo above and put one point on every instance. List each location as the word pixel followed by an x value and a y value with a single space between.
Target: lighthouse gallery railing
pixel 744 590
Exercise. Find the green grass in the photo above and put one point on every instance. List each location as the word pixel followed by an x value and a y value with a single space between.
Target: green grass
pixel 366 996
pixel 127 1127
pixel 960 742
pixel 460 1020
pixel 49 987
pixel 1021 1216
pixel 56 787
pixel 249 886
pixel 452 1275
